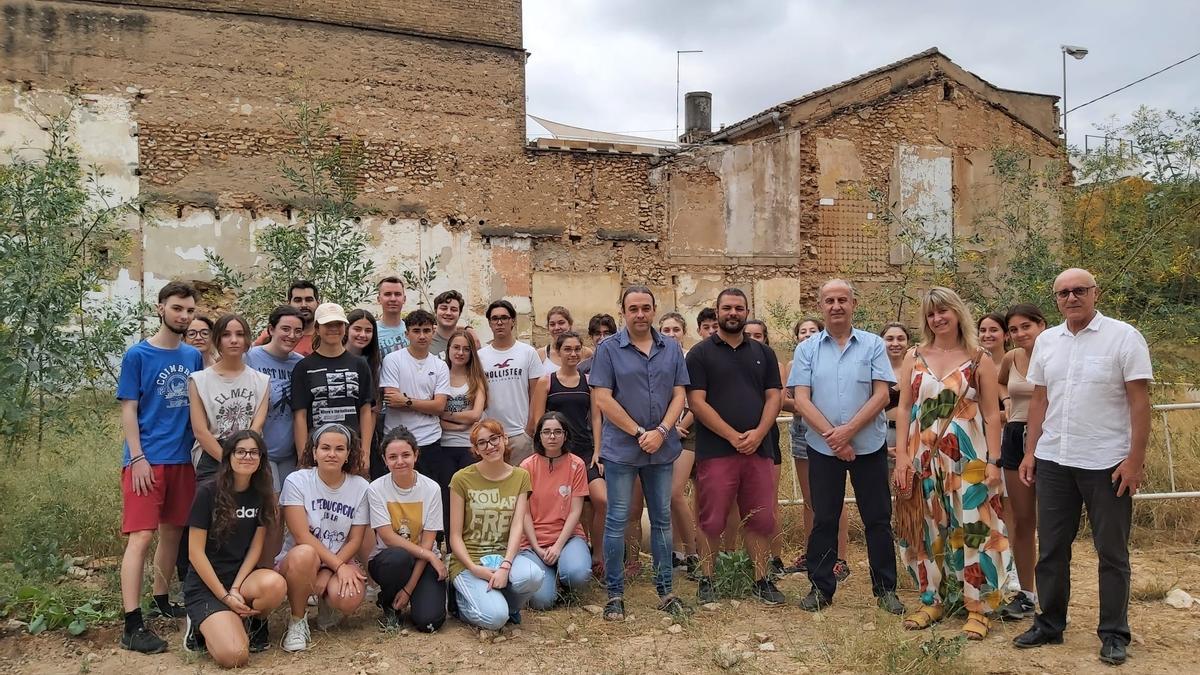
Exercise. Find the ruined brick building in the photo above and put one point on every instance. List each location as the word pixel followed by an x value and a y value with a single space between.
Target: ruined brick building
pixel 182 101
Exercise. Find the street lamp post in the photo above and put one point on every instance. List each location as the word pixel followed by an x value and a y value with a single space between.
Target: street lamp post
pixel 1077 53
pixel 678 52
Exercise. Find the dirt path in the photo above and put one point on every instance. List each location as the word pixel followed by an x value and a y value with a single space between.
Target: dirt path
pixel 850 637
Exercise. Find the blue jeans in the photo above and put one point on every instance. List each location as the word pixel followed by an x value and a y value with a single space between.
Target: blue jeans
pixel 656 485
pixel 488 608
pixel 573 570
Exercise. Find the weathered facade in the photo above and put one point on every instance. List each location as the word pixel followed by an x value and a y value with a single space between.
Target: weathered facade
pixel 182 102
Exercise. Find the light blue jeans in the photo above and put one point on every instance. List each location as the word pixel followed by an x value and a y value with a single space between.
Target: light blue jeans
pixel 656 485
pixel 488 608
pixel 573 570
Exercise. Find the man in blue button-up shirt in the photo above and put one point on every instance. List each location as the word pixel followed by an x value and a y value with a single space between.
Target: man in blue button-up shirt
pixel 841 378
pixel 638 379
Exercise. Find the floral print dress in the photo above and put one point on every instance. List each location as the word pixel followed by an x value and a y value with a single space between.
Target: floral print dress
pixel 964 558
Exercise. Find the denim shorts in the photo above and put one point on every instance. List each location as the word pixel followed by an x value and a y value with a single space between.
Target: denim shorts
pixel 797 430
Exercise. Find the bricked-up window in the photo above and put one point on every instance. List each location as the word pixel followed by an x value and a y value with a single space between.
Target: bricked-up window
pixel 922 190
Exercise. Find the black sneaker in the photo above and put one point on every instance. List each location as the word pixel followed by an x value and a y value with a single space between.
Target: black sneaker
pixel 515 618
pixel 173 610
pixel 674 606
pixel 890 603
pixel 775 568
pixel 678 561
pixel 841 570
pixel 815 601
pixel 193 639
pixel 705 591
pixel 260 635
pixel 1020 607
pixel 767 593
pixel 693 567
pixel 390 619
pixel 143 640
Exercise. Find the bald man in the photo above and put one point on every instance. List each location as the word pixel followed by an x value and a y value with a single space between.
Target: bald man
pixel 1089 423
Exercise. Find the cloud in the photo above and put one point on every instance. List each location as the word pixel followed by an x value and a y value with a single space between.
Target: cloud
pixel 610 64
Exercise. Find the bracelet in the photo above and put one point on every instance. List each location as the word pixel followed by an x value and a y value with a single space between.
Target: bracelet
pixel 506 562
pixel 140 457
pixel 662 430
pixel 227 594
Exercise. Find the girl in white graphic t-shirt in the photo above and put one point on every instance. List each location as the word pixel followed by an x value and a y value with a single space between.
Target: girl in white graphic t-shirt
pixel 326 511
pixel 229 396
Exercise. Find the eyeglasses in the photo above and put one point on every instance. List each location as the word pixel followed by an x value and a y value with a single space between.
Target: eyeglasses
pixel 243 453
pixel 1077 292
pixel 485 442
pixel 199 333
pixel 499 319
pixel 553 433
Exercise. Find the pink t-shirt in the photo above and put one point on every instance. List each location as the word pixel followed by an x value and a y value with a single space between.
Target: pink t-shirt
pixel 553 490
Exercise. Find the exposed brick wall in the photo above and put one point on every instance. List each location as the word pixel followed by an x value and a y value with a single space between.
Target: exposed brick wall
pixel 495 22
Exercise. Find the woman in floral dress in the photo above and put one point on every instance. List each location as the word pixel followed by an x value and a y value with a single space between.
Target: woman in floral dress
pixel 948 451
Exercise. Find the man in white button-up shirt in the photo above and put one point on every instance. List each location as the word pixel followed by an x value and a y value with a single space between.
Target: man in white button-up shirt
pixel 1089 423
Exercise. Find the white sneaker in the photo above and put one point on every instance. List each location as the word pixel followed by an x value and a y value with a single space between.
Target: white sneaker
pixel 327 616
pixel 297 637
pixel 371 594
pixel 312 601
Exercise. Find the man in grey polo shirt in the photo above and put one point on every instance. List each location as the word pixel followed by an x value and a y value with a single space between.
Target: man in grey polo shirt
pixel 638 380
pixel 1089 423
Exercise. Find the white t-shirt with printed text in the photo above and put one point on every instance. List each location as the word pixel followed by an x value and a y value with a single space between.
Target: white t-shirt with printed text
pixel 409 512
pixel 508 374
pixel 330 512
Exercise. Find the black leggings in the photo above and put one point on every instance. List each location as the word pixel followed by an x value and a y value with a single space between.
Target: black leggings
pixel 391 568
pixel 440 464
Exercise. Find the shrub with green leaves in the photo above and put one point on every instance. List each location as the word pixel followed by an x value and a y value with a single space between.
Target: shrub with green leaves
pixel 60 239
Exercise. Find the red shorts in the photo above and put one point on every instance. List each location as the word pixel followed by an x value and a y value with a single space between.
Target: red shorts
pixel 169 501
pixel 750 479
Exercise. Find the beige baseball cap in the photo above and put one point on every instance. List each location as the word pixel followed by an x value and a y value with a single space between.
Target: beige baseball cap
pixel 328 312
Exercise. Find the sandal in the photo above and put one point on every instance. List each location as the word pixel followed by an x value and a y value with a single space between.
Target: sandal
pixel 977 626
pixel 614 609
pixel 923 618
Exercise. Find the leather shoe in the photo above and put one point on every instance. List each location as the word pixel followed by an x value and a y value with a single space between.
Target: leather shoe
pixel 1112 651
pixel 1036 637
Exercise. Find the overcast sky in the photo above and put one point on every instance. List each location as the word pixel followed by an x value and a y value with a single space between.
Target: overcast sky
pixel 610 64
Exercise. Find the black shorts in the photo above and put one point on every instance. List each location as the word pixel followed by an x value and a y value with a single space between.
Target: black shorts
pixel 593 472
pixel 1012 445
pixel 200 601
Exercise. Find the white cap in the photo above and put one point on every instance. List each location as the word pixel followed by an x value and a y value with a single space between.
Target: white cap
pixel 328 312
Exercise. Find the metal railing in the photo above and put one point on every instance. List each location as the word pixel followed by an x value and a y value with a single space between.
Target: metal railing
pixel 1162 409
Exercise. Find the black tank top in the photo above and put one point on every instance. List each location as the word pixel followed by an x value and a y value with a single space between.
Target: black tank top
pixel 575 403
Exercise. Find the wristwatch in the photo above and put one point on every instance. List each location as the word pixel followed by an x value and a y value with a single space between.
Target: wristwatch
pixel 639 432
pixel 407 401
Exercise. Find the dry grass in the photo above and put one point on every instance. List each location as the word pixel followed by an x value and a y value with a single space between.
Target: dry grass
pixel 1152 590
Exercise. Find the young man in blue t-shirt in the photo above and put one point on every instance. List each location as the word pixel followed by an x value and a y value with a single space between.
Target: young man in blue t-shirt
pixel 157 478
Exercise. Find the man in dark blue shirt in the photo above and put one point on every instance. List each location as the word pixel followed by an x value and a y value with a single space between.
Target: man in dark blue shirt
pixel 638 379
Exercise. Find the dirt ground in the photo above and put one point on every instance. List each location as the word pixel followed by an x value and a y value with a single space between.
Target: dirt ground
pixel 852 636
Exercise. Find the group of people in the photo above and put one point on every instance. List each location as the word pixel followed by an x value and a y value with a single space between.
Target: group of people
pixel 338 458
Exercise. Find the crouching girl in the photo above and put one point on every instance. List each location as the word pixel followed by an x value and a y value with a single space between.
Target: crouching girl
pixel 227 599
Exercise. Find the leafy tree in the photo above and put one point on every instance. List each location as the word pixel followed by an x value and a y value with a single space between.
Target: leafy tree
pixel 60 239
pixel 326 244
pixel 1132 217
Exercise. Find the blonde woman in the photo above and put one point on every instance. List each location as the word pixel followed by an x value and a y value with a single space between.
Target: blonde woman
pixel 952 538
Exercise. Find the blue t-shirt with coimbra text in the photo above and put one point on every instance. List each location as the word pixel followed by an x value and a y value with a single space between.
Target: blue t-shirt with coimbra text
pixel 158 380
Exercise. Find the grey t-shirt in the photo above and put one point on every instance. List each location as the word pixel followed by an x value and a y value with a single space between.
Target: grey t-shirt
pixel 277 431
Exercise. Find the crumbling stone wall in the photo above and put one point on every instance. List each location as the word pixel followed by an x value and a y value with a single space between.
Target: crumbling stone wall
pixel 497 23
